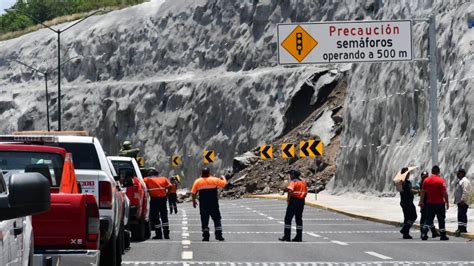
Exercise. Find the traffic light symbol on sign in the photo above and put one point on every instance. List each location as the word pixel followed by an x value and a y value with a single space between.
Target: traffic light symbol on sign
pixel 209 156
pixel 288 150
pixel 176 160
pixel 311 148
pixel 266 152
pixel 299 43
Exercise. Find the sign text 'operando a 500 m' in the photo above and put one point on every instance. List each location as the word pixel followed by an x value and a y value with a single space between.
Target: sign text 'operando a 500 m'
pixel 344 42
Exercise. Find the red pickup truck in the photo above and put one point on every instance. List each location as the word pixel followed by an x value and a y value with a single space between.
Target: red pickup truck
pixel 69 231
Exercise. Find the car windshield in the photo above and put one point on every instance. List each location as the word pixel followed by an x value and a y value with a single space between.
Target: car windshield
pixel 84 155
pixel 49 165
pixel 123 164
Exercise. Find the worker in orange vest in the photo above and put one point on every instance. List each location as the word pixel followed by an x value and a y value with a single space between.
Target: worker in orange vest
pixel 206 188
pixel 297 191
pixel 173 196
pixel 158 188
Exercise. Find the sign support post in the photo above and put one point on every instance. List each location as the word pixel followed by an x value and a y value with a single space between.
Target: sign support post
pixel 433 89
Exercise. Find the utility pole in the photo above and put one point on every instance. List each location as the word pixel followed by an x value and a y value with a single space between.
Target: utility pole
pixel 433 89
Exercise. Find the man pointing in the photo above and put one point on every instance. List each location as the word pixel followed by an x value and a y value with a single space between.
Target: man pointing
pixel 205 188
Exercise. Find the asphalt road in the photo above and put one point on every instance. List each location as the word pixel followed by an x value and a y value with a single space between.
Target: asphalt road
pixel 252 227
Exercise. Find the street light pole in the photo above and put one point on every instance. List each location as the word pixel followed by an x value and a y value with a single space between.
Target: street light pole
pixel 45 74
pixel 47 100
pixel 58 32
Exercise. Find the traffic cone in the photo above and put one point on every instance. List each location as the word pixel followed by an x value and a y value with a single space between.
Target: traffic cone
pixel 68 180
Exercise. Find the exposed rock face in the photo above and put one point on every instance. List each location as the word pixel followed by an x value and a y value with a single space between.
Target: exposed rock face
pixel 183 76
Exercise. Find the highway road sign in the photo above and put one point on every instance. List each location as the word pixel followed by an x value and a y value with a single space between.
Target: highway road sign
pixel 209 156
pixel 311 148
pixel 344 42
pixel 176 160
pixel 288 150
pixel 266 152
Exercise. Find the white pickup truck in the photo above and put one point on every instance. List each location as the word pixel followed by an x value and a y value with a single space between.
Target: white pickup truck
pixel 16 231
pixel 94 174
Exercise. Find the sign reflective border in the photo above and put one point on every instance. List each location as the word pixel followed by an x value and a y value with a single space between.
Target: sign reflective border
pixel 345 42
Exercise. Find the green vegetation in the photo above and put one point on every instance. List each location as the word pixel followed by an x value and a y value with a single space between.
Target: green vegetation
pixel 45 10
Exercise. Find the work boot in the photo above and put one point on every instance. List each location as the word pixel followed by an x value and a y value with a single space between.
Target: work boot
pixel 463 229
pixel 286 236
pixel 407 236
pixel 424 233
pixel 205 235
pixel 299 236
pixel 176 211
pixel 166 233
pixel 220 238
pixel 434 233
pixel 443 236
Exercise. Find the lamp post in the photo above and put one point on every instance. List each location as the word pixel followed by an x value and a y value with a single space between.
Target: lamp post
pixel 58 32
pixel 45 74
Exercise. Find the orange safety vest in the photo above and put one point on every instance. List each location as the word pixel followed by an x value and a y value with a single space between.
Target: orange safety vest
pixel 208 183
pixel 68 179
pixel 157 186
pixel 298 189
pixel 173 189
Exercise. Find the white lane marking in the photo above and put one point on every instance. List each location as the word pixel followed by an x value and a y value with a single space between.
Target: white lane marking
pixel 313 234
pixel 186 242
pixel 271 218
pixel 187 255
pixel 185 234
pixel 185 222
pixel 378 255
pixel 339 243
pixel 185 247
pixel 281 222
pixel 184 228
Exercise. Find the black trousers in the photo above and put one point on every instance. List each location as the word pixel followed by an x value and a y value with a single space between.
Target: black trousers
pixel 462 217
pixel 173 202
pixel 423 218
pixel 159 215
pixel 409 216
pixel 432 210
pixel 294 209
pixel 208 211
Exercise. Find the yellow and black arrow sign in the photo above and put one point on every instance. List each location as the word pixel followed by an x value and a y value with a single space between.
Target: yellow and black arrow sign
pixel 266 152
pixel 141 161
pixel 209 156
pixel 311 148
pixel 288 150
pixel 176 160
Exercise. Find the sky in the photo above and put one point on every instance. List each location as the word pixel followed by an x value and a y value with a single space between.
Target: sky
pixel 5 4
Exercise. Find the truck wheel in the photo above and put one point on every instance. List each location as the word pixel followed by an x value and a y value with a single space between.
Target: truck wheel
pixel 108 254
pixel 147 230
pixel 120 244
pixel 127 239
pixel 138 230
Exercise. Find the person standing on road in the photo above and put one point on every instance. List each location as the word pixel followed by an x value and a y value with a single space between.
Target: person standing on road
pixel 158 189
pixel 297 191
pixel 434 233
pixel 173 196
pixel 205 188
pixel 437 203
pixel 406 202
pixel 461 199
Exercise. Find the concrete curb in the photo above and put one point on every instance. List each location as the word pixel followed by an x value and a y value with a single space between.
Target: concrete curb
pixel 351 214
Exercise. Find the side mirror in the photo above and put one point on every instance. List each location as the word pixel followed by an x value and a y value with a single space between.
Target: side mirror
pixel 126 176
pixel 27 194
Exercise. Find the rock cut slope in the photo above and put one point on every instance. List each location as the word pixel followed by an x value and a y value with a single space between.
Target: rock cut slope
pixel 182 76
